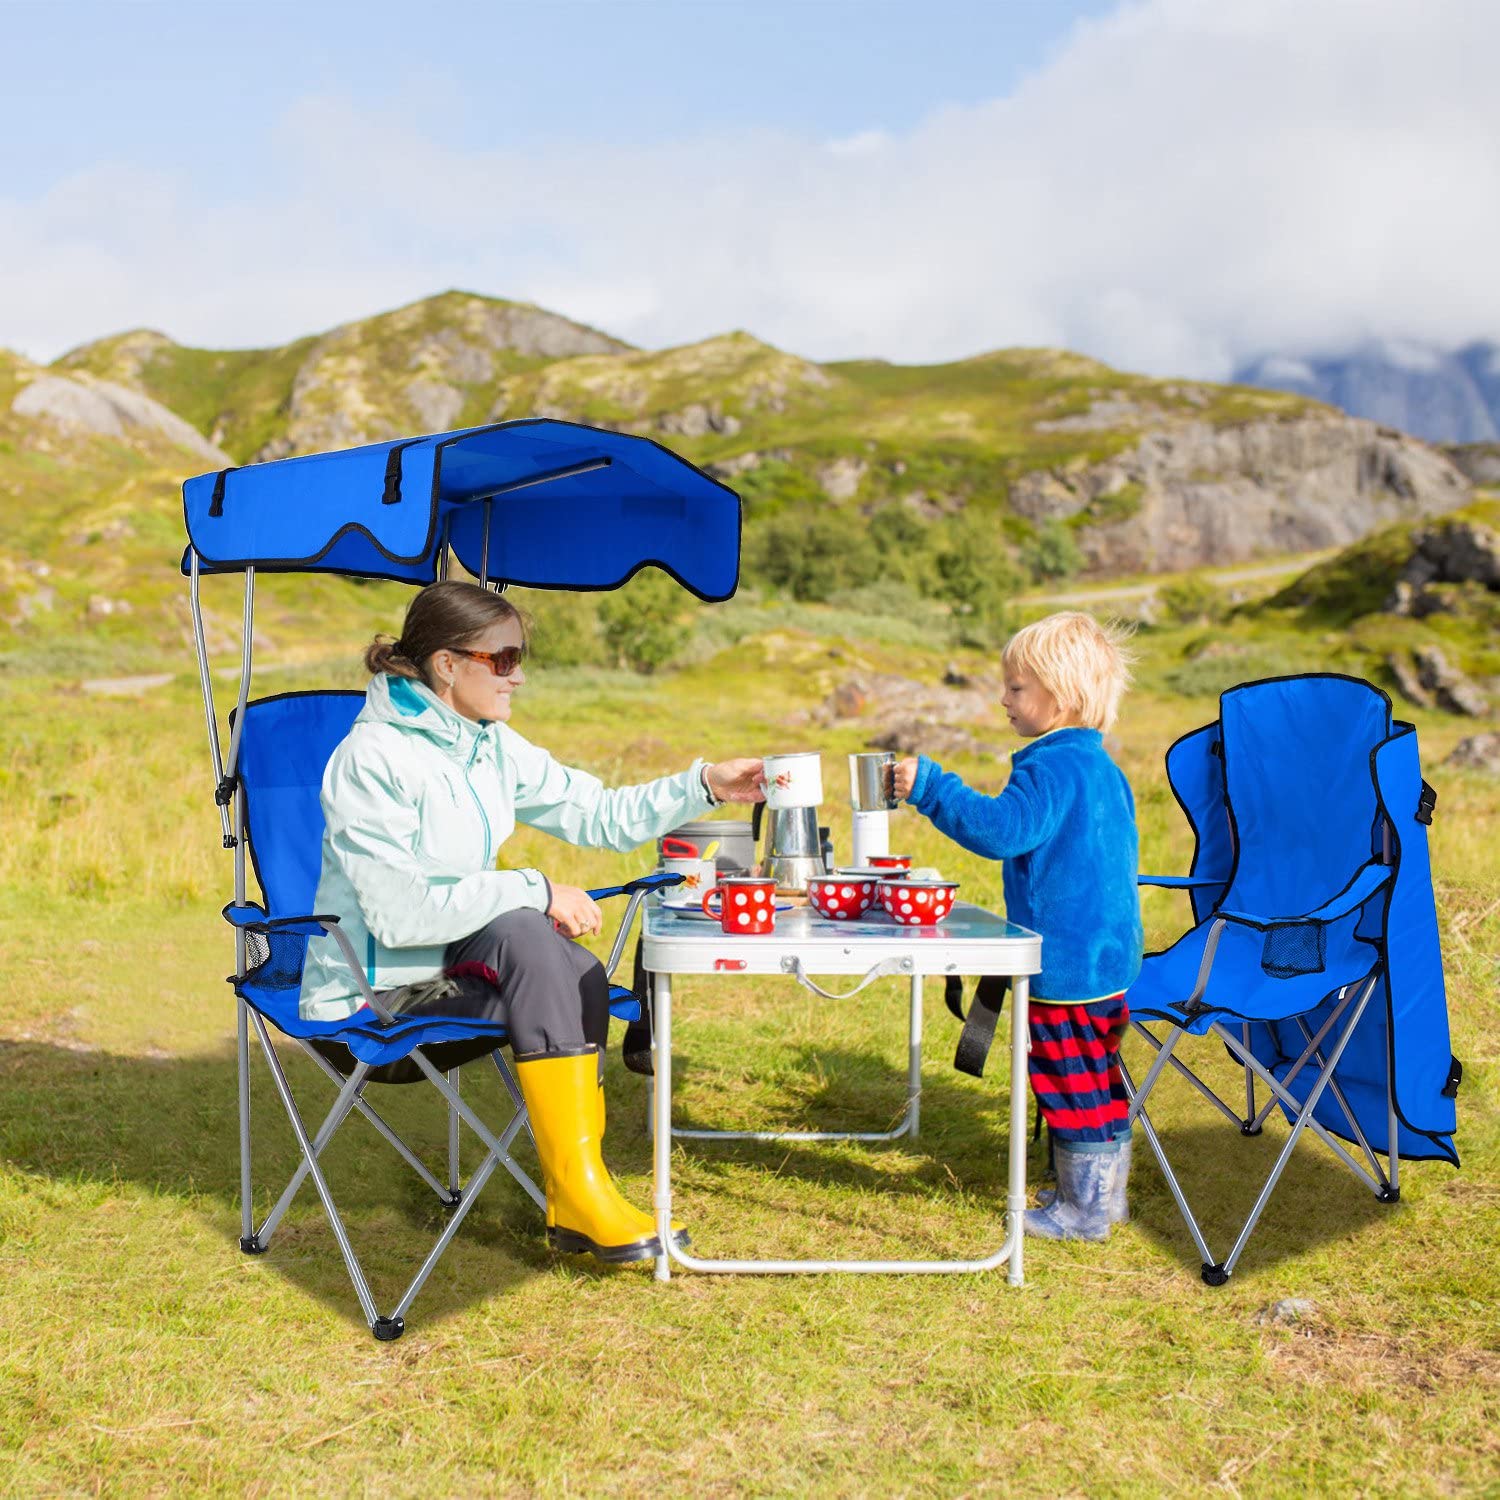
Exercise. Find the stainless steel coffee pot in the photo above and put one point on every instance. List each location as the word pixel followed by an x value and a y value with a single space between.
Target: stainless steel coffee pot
pixel 792 853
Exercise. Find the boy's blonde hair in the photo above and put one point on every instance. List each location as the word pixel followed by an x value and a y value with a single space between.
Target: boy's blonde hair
pixel 1084 664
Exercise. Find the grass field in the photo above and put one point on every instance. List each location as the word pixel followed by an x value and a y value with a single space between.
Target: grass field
pixel 141 1353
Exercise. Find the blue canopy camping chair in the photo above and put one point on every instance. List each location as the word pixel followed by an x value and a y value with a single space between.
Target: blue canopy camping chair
pixel 1314 956
pixel 544 504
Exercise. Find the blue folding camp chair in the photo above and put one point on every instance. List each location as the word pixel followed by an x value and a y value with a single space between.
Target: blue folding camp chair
pixel 1315 957
pixel 540 503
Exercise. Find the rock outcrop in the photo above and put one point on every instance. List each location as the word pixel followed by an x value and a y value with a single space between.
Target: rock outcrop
pixel 1480 752
pixel 1192 494
pixel 82 403
pixel 1460 551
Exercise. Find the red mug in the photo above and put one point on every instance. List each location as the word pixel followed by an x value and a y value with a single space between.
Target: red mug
pixel 747 904
pixel 889 861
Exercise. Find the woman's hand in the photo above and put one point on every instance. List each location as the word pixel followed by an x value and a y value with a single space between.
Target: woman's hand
pixel 904 778
pixel 736 780
pixel 575 912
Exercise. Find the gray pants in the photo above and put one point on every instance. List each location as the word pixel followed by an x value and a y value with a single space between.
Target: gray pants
pixel 550 993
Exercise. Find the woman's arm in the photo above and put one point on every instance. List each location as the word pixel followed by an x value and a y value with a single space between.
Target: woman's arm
pixel 1024 816
pixel 372 834
pixel 580 809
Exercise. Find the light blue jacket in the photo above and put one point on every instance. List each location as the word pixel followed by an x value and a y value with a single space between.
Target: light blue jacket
pixel 417 802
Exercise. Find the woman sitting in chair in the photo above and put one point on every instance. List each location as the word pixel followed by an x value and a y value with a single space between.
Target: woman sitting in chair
pixel 418 799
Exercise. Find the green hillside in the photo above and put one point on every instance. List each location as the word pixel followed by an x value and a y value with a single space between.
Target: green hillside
pixel 938 492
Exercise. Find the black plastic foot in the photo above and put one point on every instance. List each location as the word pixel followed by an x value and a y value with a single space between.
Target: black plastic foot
pixel 388 1330
pixel 1214 1275
pixel 252 1246
pixel 455 1198
pixel 1246 1128
pixel 1389 1194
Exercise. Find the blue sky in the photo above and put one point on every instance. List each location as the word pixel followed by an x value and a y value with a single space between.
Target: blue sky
pixel 195 83
pixel 1169 185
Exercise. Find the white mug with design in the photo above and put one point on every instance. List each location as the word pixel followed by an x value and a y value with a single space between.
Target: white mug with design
pixel 793 780
pixel 698 876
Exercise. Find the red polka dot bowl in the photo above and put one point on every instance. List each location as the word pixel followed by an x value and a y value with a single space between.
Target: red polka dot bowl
pixel 845 895
pixel 917 903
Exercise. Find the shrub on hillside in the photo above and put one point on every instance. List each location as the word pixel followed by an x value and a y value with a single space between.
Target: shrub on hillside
pixel 811 553
pixel 977 575
pixel 1193 601
pixel 1052 553
pixel 641 624
pixel 564 629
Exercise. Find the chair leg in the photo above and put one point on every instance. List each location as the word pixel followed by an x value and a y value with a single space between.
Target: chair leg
pixel 1314 1094
pixel 1138 1112
pixel 453 1188
pixel 351 1260
pixel 366 1109
pixel 1182 1068
pixel 1248 1125
pixel 247 1221
pixel 1216 1273
pixel 331 1122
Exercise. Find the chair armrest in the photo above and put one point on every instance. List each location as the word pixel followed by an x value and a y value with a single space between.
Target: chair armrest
pixel 644 883
pixel 1366 882
pixel 1181 882
pixel 252 917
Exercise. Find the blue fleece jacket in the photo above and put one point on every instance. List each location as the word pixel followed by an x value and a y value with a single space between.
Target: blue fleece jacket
pixel 1065 827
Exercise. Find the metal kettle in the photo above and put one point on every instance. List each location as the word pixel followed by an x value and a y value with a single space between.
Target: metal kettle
pixel 794 850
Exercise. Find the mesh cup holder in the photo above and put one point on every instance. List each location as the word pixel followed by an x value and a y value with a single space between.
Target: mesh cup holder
pixel 273 961
pixel 1297 949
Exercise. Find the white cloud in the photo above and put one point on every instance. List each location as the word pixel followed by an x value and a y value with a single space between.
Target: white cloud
pixel 1181 185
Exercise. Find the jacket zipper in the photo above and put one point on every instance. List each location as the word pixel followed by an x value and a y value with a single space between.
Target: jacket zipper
pixel 483 817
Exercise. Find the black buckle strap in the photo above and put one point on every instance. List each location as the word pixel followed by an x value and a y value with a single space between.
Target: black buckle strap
pixel 978 1035
pixel 1455 1077
pixel 216 500
pixel 1425 804
pixel 635 1049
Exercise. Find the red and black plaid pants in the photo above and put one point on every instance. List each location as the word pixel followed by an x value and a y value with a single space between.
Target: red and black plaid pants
pixel 1075 1067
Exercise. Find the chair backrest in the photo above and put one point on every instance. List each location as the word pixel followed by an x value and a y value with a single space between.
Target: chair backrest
pixel 1300 785
pixel 284 751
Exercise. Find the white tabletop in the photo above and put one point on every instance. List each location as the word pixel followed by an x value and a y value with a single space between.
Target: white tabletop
pixel 970 940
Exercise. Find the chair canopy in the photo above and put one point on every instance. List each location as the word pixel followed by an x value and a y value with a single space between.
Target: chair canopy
pixel 569 507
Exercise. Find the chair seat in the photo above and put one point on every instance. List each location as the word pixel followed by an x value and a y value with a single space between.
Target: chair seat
pixel 274 988
pixel 1239 984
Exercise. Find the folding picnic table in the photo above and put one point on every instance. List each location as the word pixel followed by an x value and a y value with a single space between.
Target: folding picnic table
pixel 971 941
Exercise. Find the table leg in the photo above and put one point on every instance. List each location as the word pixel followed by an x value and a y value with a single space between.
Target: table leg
pixel 661 1046
pixel 914 1060
pixel 1020 1045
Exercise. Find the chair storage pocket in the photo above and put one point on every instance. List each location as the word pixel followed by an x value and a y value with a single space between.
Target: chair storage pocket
pixel 1298 948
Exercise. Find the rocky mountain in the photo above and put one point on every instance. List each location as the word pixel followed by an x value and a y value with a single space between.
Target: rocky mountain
pixel 1445 396
pixel 1130 474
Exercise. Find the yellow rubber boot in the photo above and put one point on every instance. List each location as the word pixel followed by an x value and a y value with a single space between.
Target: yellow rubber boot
pixel 584 1208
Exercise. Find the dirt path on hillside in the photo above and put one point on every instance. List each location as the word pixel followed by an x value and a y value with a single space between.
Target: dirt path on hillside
pixel 1143 590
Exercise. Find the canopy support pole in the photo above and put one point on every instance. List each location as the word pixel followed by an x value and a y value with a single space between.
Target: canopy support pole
pixel 443 555
pixel 484 547
pixel 215 751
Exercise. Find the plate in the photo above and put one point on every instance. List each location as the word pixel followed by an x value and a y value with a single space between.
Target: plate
pixel 695 912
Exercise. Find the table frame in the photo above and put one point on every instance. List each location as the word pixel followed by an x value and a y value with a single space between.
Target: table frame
pixel 971 942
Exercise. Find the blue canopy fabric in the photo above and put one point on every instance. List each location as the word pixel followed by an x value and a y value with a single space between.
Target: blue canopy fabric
pixel 1288 795
pixel 571 507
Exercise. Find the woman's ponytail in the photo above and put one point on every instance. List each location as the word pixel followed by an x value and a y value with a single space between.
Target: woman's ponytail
pixel 384 654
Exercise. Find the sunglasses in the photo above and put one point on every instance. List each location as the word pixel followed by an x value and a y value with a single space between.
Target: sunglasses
pixel 502 662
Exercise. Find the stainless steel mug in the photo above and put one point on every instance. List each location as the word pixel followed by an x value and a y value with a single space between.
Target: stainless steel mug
pixel 872 781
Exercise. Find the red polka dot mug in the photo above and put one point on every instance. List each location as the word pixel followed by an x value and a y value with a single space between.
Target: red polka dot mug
pixel 747 904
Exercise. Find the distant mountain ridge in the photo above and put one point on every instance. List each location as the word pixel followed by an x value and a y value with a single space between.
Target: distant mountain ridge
pixel 1035 446
pixel 1444 396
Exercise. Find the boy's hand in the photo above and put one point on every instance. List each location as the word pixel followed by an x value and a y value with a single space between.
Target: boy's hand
pixel 904 778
